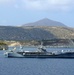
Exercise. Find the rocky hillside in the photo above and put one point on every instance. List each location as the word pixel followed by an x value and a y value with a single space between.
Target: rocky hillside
pixel 19 33
pixel 44 29
pixel 61 32
pixel 35 33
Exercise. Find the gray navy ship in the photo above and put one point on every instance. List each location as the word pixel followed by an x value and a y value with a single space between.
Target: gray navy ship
pixel 40 53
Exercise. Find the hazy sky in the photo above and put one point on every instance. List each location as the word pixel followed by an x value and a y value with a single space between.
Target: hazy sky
pixel 18 12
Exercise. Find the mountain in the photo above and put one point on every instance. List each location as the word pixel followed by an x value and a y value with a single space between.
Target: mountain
pixel 19 33
pixel 35 33
pixel 45 22
pixel 44 29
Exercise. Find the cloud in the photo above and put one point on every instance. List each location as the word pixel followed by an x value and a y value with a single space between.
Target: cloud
pixel 32 4
pixel 48 4
pixel 63 5
pixel 6 1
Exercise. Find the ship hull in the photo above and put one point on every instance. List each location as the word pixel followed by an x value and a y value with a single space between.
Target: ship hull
pixel 23 55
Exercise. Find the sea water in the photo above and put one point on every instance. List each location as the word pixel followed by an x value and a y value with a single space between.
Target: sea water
pixel 36 66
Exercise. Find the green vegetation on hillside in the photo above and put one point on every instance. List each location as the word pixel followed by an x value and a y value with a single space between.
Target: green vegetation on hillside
pixel 59 32
pixel 3 45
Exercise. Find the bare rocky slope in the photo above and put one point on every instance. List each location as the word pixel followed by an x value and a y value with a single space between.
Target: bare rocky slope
pixel 45 22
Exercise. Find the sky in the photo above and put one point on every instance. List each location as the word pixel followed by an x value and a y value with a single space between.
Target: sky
pixel 19 12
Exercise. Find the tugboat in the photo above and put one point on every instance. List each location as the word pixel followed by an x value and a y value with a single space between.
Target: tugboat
pixel 40 53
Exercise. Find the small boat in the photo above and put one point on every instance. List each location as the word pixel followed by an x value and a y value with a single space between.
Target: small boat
pixel 40 53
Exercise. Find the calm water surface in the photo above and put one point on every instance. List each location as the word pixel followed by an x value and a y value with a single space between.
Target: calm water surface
pixel 36 66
